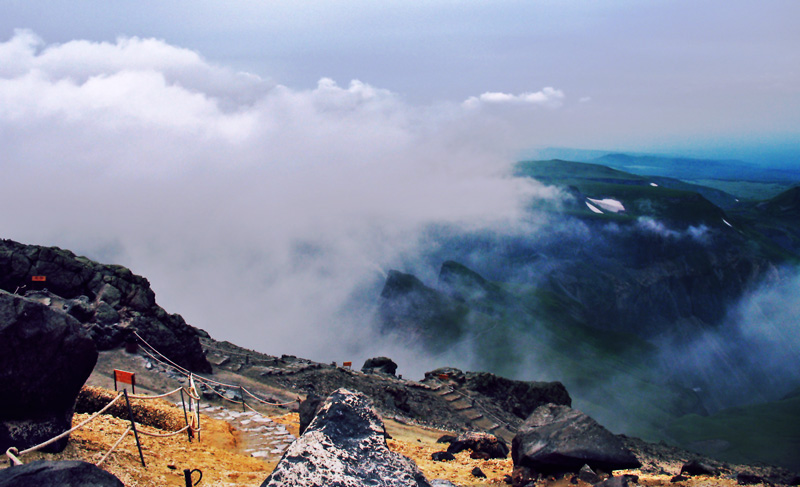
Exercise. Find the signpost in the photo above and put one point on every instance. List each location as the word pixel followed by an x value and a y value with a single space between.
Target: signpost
pixel 125 377
pixel 347 364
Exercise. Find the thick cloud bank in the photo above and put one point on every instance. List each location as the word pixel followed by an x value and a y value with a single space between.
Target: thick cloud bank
pixel 257 211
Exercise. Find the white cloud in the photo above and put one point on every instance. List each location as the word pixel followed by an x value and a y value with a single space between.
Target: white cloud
pixel 548 97
pixel 255 209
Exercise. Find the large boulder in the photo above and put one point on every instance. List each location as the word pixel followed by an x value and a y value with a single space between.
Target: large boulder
pixel 72 473
pixel 384 365
pixel 344 446
pixel 109 300
pixel 479 442
pixel 45 358
pixel 558 439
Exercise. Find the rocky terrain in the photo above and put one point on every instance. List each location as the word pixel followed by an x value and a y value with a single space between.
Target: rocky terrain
pixel 358 426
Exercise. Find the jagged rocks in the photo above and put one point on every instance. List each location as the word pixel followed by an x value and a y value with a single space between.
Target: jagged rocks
pixel 558 439
pixel 109 300
pixel 344 446
pixel 45 358
pixel 72 473
pixel 384 365
pixel 478 442
pixel 515 396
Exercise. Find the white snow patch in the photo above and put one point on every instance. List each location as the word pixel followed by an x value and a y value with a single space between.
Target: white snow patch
pixel 593 208
pixel 726 223
pixel 654 185
pixel 608 204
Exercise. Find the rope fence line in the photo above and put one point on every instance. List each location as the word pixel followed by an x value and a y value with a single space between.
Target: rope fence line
pixel 108 453
pixel 205 380
pixel 14 455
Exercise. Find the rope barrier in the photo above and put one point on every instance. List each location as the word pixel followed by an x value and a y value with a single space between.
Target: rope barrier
pixel 133 396
pixel 12 453
pixel 114 446
pixel 66 433
pixel 269 403
pixel 166 435
pixel 205 380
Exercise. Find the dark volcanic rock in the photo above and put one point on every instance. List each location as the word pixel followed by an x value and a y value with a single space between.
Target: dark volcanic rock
pixel 478 473
pixel 109 300
pixel 442 456
pixel 45 358
pixel 518 397
pixel 308 409
pixel 70 473
pixel 696 467
pixel 480 443
pixel 344 446
pixel 621 481
pixel 560 439
pixel 384 365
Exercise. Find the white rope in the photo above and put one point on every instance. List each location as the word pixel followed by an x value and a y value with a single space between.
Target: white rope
pixel 115 445
pixel 66 433
pixel 11 454
pixel 165 435
pixel 267 402
pixel 205 380
pixel 132 396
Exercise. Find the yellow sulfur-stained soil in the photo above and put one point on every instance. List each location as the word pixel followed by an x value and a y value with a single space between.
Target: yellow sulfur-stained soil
pixel 219 452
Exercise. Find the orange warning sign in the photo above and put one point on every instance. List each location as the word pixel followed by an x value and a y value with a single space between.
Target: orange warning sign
pixel 126 377
pixel 347 364
pixel 38 278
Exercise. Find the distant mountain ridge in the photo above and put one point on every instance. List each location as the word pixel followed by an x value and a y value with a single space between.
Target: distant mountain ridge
pixel 628 270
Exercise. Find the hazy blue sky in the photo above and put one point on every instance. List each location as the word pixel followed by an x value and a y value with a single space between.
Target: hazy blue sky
pixel 262 162
pixel 645 75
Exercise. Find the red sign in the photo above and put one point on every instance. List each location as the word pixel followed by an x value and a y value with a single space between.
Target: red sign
pixel 347 364
pixel 38 278
pixel 444 377
pixel 126 377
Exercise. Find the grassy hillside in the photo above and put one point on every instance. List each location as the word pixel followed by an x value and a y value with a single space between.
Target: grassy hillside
pixel 768 433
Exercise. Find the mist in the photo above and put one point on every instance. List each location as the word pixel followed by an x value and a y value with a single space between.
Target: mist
pixel 263 214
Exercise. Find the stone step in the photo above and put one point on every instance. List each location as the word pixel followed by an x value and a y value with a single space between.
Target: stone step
pixel 461 405
pixel 452 396
pixel 504 433
pixel 472 414
pixel 484 423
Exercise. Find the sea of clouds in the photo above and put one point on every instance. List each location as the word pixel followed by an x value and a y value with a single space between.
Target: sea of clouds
pixel 257 211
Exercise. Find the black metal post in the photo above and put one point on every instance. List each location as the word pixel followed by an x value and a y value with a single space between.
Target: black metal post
pixel 185 417
pixel 133 425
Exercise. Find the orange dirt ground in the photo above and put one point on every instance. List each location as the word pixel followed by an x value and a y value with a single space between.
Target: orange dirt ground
pixel 219 453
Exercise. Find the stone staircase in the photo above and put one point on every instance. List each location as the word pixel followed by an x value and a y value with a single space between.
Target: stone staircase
pixel 467 408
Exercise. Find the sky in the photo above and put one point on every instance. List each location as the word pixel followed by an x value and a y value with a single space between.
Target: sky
pixel 263 162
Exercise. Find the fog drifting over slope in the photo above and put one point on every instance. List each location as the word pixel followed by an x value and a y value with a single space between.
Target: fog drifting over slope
pixel 256 210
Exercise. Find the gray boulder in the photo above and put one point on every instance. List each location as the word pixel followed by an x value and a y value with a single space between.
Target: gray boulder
pixel 72 473
pixel 558 439
pixel 45 358
pixel 344 446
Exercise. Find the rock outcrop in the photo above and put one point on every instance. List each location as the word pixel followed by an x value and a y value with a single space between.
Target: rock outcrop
pixel 383 365
pixel 518 397
pixel 478 442
pixel 72 473
pixel 45 358
pixel 558 439
pixel 344 446
pixel 109 300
